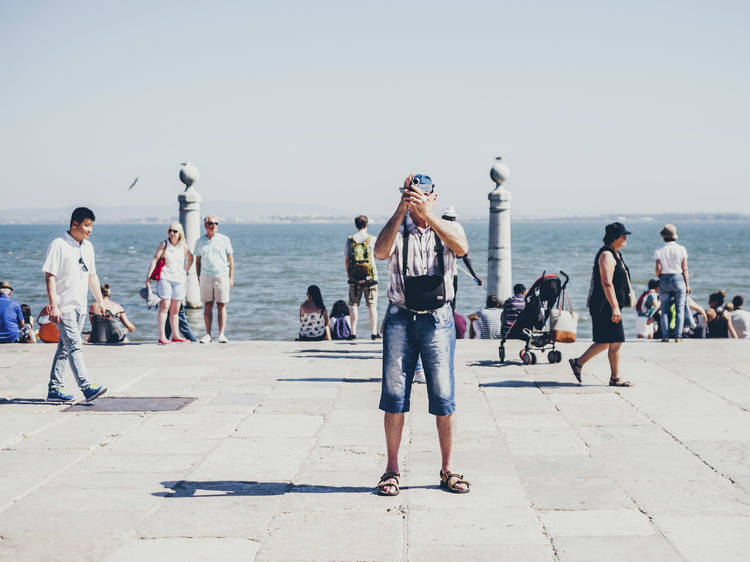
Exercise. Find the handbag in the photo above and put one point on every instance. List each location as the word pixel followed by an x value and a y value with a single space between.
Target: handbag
pixel 424 292
pixel 156 274
pixel 563 324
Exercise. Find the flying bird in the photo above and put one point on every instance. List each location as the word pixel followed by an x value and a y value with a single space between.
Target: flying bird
pixel 135 181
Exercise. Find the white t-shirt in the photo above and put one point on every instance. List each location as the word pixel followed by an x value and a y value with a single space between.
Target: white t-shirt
pixel 71 264
pixel 670 255
pixel 741 323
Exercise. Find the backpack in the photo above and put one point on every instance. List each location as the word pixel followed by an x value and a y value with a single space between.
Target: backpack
pixel 360 262
pixel 640 306
pixel 340 329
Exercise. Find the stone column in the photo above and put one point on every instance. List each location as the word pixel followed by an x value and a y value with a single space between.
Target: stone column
pixel 190 219
pixel 499 280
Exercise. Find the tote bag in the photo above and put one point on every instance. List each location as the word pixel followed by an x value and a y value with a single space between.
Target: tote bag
pixel 563 324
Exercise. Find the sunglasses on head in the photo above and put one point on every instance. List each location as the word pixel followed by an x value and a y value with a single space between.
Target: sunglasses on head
pixel 173 231
pixel 209 223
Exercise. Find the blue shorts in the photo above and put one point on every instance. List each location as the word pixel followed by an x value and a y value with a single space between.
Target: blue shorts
pixel 174 290
pixel 406 337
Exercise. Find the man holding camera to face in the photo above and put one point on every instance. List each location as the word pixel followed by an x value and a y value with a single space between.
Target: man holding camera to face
pixel 421 249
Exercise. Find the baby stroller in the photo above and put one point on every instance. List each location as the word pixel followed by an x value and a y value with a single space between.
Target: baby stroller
pixel 541 298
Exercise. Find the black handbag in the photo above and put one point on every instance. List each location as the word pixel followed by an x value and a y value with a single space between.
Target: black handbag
pixel 424 292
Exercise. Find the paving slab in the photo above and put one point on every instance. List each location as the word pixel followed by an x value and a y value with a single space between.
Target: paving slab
pixel 277 457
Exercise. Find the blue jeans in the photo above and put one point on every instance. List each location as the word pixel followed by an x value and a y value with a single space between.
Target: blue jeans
pixel 69 350
pixel 672 288
pixel 406 337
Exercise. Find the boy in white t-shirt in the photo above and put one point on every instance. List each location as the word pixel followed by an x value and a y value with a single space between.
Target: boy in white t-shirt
pixel 70 272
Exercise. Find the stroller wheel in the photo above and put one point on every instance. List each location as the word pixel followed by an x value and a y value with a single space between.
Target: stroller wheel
pixel 533 358
pixel 558 356
pixel 552 356
pixel 526 357
pixel 502 354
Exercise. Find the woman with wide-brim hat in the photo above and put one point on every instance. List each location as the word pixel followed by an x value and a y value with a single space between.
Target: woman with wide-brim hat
pixel 610 292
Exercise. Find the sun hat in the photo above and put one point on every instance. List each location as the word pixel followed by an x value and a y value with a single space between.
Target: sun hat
pixel 450 213
pixel 669 231
pixel 5 285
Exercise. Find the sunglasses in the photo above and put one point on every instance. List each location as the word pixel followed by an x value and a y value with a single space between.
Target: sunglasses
pixel 209 223
pixel 172 231
pixel 82 264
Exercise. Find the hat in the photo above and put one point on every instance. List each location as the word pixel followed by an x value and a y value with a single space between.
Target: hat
pixel 450 213
pixel 151 299
pixel 5 285
pixel 669 231
pixel 615 230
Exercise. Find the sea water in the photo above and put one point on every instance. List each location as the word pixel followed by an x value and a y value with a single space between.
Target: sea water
pixel 275 263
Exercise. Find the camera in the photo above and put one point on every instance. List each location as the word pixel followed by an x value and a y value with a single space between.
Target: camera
pixel 423 183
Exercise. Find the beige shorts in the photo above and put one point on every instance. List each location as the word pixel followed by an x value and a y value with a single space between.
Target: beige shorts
pixel 214 288
pixel 356 290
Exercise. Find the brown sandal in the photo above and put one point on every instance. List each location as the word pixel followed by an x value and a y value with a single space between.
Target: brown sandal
pixel 577 368
pixel 449 481
pixel 389 479
pixel 615 381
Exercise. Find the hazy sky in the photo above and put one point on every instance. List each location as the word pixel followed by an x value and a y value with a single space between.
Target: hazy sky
pixel 610 107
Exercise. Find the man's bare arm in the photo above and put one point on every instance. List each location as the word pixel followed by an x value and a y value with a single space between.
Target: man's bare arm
pixel 387 236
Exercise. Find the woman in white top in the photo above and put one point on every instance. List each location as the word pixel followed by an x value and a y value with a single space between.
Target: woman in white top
pixel 313 317
pixel 172 279
pixel 674 281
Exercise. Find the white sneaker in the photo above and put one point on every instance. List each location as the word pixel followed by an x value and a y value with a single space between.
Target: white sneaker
pixel 419 376
pixel 205 339
pixel 223 339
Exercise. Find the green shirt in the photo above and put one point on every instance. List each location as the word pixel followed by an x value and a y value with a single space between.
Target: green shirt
pixel 213 253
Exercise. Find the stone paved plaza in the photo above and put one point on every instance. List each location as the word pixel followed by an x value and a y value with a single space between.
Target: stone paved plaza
pixel 277 455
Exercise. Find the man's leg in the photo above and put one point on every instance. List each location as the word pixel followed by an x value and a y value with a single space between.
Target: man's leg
pixel 208 315
pixel 353 312
pixel 446 427
pixel 373 310
pixel 221 308
pixel 72 330
pixel 394 428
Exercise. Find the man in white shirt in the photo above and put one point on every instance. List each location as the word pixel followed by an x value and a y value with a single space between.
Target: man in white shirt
pixel 362 276
pixel 674 281
pixel 421 249
pixel 740 318
pixel 70 272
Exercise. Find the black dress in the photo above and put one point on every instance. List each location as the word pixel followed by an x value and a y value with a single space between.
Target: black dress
pixel 604 330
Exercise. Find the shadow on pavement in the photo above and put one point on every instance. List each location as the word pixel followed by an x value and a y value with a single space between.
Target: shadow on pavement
pixel 30 401
pixel 527 384
pixel 330 379
pixel 337 356
pixel 341 351
pixel 493 363
pixel 190 489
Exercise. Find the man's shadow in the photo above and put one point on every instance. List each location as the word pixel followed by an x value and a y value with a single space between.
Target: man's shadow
pixel 220 488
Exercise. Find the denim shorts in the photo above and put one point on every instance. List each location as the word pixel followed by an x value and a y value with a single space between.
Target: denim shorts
pixel 407 336
pixel 174 290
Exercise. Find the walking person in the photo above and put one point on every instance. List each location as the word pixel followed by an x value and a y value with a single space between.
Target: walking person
pixel 214 266
pixel 610 291
pixel 674 281
pixel 362 276
pixel 171 285
pixel 421 250
pixel 70 272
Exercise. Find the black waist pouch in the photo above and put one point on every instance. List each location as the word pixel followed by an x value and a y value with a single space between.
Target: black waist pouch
pixel 425 292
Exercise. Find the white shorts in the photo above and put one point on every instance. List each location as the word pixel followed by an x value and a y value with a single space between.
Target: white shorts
pixel 214 288
pixel 174 290
pixel 642 328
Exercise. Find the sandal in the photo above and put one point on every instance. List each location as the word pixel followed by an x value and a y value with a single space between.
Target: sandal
pixel 615 381
pixel 449 481
pixel 389 479
pixel 577 368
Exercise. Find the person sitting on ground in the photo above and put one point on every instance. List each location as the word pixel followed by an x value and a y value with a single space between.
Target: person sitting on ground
pixel 719 320
pixel 111 326
pixel 490 320
pixel 27 334
pixel 341 327
pixel 313 317
pixel 646 307
pixel 11 316
pixel 513 307
pixel 740 318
